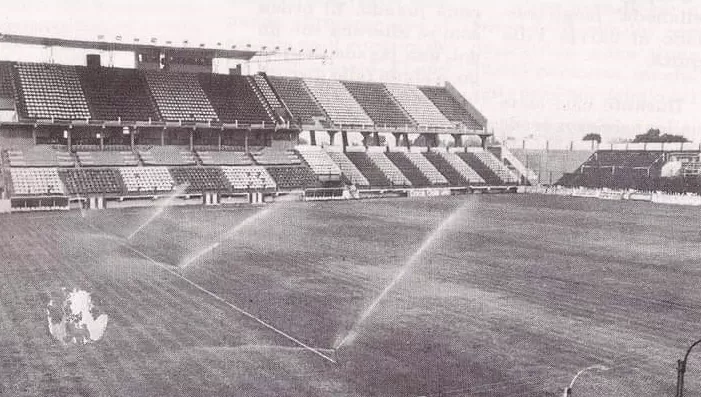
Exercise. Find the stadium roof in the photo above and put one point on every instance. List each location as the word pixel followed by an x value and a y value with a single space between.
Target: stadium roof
pixel 120 46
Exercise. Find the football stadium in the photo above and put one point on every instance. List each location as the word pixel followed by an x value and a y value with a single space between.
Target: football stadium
pixel 169 230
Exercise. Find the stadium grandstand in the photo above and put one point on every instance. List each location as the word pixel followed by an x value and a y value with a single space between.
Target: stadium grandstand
pixel 79 131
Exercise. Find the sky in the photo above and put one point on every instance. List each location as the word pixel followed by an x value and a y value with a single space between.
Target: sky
pixel 547 70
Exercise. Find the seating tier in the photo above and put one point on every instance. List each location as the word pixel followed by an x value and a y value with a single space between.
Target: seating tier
pixel 224 158
pixel 179 96
pixel 167 155
pixel 91 181
pixel 388 168
pixel 249 177
pixel 294 94
pixel 115 93
pixel 36 182
pixel 409 169
pixel 234 100
pixel 418 106
pixel 318 160
pixel 147 179
pixel 293 177
pixel 200 179
pixel 378 104
pixel 450 107
pixel 50 91
pixel 337 102
pixel 349 170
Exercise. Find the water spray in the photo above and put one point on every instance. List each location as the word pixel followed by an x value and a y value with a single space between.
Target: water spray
pixel 427 243
pixel 160 207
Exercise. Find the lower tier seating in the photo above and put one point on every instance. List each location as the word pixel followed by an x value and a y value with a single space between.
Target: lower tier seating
pixel 349 170
pixel 372 173
pixel 388 168
pixel 499 168
pixel 454 177
pixel 486 173
pixel 91 181
pixel 461 166
pixel 224 158
pixel 36 182
pixel 200 179
pixel 409 169
pixel 147 179
pixel 318 160
pixel 434 176
pixel 248 177
pixel 293 177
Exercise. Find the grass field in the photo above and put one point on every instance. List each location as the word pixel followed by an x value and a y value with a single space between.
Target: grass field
pixel 511 299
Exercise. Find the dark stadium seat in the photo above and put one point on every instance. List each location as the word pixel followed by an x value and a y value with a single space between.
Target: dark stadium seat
pixel 50 91
pixel 409 170
pixel 200 179
pixel 388 168
pixel 350 172
pixel 375 177
pixel 450 107
pixel 234 100
pixel 114 93
pixel 378 104
pixel 92 181
pixel 293 177
pixel 179 96
pixel 294 94
pixel 7 89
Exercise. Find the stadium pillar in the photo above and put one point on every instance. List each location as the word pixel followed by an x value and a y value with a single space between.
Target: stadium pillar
pixel 366 137
pixel 219 140
pixel 192 132
pixel 312 138
pixel 245 139
pixel 344 140
pixel 131 138
pixel 483 138
pixel 68 137
pixel 34 134
pixel 332 134
pixel 458 140
pixel 163 137
pixel 376 138
pixel 397 139
pixel 406 140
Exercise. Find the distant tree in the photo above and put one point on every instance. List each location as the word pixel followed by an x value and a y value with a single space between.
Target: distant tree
pixel 654 135
pixel 592 137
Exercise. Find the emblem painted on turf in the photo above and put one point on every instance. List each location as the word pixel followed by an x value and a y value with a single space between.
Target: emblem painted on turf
pixel 73 319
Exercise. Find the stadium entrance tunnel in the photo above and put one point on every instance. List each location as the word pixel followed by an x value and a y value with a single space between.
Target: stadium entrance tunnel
pixel 73 319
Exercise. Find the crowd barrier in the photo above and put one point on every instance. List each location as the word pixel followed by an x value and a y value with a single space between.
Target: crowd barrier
pixel 608 194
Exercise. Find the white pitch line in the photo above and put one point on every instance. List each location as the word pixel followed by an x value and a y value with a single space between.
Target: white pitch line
pixel 231 305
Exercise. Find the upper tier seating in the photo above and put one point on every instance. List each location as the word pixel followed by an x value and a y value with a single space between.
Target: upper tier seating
pixel 349 170
pixel 167 155
pixel 270 156
pixel 272 113
pixel 409 169
pixel 115 93
pixel 48 90
pixel 179 96
pixel 249 177
pixel 224 158
pixel 378 104
pixel 147 179
pixel 450 107
pixel 299 101
pixel 338 103
pixel 432 174
pixel 373 174
pixel 293 177
pixel 461 167
pixel 493 171
pixel 421 109
pixel 318 160
pixel 388 168
pixel 234 100
pixel 6 83
pixel 91 181
pixel 36 181
pixel 454 177
pixel 107 158
pixel 200 179
pixel 40 156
